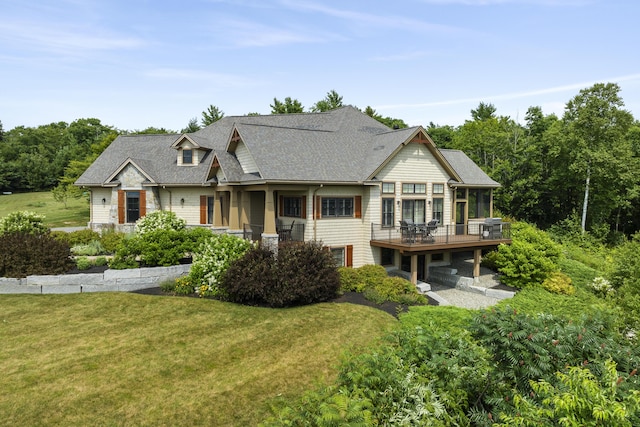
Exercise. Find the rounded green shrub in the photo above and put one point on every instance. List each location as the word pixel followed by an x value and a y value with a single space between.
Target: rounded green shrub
pixel 82 237
pixel 83 263
pixel 559 283
pixel 530 259
pixel 110 240
pixel 23 222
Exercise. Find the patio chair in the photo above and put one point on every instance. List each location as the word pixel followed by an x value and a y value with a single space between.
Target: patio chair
pixel 408 231
pixel 427 232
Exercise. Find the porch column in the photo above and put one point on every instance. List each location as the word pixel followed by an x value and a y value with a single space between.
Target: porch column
pixel 477 256
pixel 269 234
pixel 414 269
pixel 245 206
pixel 234 215
pixel 217 209
pixel 269 212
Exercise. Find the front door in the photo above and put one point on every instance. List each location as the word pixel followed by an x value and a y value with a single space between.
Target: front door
pixel 460 217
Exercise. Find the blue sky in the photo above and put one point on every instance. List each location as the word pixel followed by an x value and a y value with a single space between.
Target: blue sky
pixel 138 63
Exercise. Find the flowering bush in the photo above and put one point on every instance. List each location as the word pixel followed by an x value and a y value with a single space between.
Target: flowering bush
pixel 159 220
pixel 23 222
pixel 212 259
pixel 602 287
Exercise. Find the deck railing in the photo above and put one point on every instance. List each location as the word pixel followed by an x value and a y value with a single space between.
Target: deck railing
pixel 294 233
pixel 443 234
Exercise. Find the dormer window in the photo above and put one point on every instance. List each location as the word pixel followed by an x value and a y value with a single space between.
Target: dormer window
pixel 187 156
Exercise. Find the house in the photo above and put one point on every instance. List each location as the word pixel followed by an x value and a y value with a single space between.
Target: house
pixel 365 191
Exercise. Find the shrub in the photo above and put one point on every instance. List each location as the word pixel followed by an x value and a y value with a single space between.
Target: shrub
pixel 212 259
pixel 559 283
pixel 23 254
pixel 101 261
pixel 602 287
pixel 530 259
pixel 110 240
pixel 395 289
pixel 162 247
pixel 89 249
pixel 83 263
pixel 23 222
pixel 249 279
pixel 301 274
pixel 82 237
pixel 159 220
pixel 306 274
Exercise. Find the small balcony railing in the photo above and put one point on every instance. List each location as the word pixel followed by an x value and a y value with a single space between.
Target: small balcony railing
pixel 420 234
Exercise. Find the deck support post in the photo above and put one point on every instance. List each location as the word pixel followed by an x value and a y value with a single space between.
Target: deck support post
pixel 414 269
pixel 477 256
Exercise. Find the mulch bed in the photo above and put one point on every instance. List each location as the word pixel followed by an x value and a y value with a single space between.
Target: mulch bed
pixel 392 308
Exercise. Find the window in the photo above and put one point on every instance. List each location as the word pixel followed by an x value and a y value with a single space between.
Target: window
pixel 387 212
pixel 438 209
pixel 337 207
pixel 413 210
pixel 338 256
pixel 133 206
pixel 438 188
pixel 414 188
pixel 461 194
pixel 388 188
pixel 437 257
pixel 292 206
pixel 210 200
pixel 479 203
pixel 187 156
pixel 387 256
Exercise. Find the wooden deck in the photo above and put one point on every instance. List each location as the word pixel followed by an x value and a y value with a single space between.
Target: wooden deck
pixel 472 236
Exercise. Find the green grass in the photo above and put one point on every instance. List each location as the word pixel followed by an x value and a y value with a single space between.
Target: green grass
pixel 76 214
pixel 127 359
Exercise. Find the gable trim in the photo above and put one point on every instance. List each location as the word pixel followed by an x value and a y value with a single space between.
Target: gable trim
pixel 127 162
pixel 178 142
pixel 420 136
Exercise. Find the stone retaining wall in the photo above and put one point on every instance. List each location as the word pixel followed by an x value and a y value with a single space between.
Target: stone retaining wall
pixel 110 281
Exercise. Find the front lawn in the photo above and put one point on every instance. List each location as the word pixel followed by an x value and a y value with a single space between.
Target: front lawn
pixel 76 214
pixel 129 359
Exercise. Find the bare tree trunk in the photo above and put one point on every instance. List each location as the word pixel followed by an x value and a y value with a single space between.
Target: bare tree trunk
pixel 586 199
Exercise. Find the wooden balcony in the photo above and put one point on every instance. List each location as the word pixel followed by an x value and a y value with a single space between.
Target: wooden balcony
pixel 416 238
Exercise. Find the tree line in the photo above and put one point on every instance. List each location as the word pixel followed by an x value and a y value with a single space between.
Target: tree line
pixel 581 166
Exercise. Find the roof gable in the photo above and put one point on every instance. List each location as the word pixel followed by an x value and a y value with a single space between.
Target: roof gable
pixel 417 135
pixel 136 166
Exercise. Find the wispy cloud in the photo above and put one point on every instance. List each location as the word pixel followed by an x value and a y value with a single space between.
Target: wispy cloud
pixel 253 34
pixel 208 76
pixel 514 95
pixel 368 19
pixel 68 39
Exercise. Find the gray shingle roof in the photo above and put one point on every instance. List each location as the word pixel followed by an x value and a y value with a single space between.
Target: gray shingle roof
pixel 342 145
pixel 469 172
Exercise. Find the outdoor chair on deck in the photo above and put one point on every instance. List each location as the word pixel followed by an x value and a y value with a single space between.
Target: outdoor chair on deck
pixel 284 231
pixel 427 231
pixel 408 231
